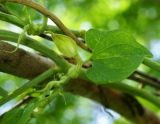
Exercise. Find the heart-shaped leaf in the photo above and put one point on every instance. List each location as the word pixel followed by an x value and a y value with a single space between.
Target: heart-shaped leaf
pixel 115 55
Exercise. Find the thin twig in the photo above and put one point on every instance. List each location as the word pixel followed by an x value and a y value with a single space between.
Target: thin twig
pixel 156 80
pixel 144 81
pixel 54 18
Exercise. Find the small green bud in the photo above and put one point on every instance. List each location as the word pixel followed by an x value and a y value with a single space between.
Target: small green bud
pixel 65 44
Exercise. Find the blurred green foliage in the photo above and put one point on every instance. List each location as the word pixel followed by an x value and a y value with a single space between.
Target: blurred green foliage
pixel 138 16
pixel 66 110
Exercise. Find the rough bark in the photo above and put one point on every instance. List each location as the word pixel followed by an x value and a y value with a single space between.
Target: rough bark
pixel 28 65
pixel 22 63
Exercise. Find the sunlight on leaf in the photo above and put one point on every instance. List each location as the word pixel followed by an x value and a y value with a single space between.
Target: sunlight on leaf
pixel 116 55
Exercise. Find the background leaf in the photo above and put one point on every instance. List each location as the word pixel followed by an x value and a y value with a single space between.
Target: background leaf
pixel 18 115
pixel 116 55
pixel 11 116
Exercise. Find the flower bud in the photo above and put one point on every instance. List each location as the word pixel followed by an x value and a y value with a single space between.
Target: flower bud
pixel 65 44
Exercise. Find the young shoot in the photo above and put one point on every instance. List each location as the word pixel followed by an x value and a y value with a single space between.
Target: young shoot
pixel 68 48
pixel 31 29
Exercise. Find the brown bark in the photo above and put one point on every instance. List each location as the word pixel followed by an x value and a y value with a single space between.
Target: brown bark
pixel 22 63
pixel 28 65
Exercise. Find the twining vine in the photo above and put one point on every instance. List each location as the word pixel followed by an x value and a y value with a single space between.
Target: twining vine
pixel 111 54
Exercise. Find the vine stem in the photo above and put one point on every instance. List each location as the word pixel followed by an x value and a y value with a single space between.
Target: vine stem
pixel 132 90
pixel 11 36
pixel 123 87
pixel 7 35
pixel 20 23
pixel 3 92
pixel 29 84
pixel 151 64
pixel 11 19
pixel 54 18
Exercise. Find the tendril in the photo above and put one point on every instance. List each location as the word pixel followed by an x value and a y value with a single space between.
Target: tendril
pixel 30 29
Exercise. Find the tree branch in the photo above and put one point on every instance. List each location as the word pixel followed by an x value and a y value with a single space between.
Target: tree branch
pixel 11 36
pixel 20 61
pixel 7 35
pixel 124 104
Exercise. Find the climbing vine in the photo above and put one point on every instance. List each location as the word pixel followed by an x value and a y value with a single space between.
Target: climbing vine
pixel 113 56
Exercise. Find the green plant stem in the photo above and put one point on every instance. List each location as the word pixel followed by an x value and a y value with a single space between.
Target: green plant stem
pixel 134 91
pixel 7 35
pixel 54 18
pixel 30 84
pixel 44 24
pixel 151 64
pixel 48 99
pixel 11 36
pixel 11 19
pixel 3 92
pixel 128 89
pixel 20 23
pixel 2 8
pixel 55 29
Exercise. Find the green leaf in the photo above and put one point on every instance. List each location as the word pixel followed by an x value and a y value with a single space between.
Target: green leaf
pixel 3 92
pixel 115 55
pixel 26 115
pixel 18 115
pixel 11 116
